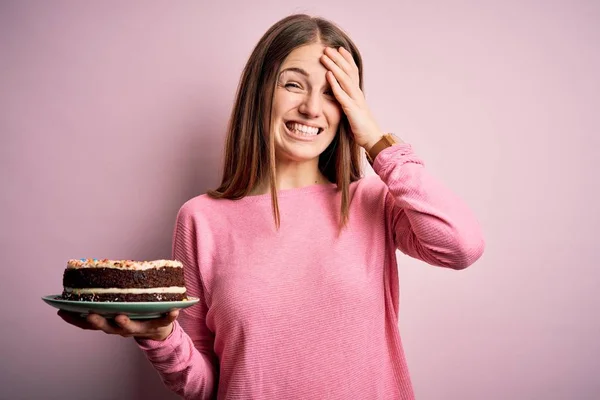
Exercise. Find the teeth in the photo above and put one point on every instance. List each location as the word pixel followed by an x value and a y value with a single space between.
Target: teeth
pixel 303 129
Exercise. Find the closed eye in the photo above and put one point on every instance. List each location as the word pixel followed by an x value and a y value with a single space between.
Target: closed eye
pixel 293 85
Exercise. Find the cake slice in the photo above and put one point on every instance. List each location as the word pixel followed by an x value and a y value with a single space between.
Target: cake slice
pixel 123 280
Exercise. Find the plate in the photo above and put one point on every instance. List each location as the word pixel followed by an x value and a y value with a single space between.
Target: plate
pixel 134 310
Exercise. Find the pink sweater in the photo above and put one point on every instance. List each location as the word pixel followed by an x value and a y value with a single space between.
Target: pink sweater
pixel 301 313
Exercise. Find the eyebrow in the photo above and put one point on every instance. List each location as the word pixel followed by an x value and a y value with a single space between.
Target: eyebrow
pixel 294 69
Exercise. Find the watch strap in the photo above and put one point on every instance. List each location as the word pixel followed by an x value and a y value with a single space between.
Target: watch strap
pixel 386 141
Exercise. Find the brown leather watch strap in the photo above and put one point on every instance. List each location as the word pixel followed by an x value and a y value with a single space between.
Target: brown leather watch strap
pixel 386 141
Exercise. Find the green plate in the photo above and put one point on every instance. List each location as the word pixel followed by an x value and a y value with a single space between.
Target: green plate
pixel 134 310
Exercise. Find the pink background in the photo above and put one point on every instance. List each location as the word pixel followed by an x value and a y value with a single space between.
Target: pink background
pixel 112 114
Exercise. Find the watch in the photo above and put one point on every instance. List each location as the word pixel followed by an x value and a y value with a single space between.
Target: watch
pixel 388 140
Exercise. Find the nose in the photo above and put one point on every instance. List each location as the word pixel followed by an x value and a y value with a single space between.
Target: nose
pixel 311 105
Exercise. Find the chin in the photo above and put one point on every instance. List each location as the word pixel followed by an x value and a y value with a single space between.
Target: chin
pixel 299 152
pixel 289 153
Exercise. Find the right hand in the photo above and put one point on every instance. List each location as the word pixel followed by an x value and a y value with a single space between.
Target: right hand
pixel 155 329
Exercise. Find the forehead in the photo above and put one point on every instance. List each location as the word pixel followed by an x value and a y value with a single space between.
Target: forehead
pixel 306 57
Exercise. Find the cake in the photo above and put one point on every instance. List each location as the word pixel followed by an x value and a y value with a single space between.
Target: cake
pixel 123 280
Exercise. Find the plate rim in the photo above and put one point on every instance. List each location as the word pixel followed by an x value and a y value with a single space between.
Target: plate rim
pixel 52 297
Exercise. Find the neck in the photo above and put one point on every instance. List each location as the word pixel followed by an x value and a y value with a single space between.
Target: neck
pixel 293 175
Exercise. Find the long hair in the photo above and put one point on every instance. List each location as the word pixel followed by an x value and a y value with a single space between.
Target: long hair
pixel 249 157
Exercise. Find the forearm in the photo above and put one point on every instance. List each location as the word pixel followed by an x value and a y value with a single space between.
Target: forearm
pixel 430 222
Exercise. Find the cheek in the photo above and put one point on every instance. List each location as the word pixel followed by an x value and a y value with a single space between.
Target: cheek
pixel 283 102
pixel 281 105
pixel 334 114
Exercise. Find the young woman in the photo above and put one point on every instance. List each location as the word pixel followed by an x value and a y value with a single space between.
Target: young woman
pixel 293 257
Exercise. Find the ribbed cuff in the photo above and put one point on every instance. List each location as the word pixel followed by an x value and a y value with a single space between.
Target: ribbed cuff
pixel 401 153
pixel 157 345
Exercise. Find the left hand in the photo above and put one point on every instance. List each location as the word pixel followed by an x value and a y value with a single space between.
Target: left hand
pixel 155 329
pixel 344 80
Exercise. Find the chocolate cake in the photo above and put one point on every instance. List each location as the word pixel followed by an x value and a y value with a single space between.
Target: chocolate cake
pixel 123 280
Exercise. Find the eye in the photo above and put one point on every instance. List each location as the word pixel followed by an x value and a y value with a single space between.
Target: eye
pixel 329 93
pixel 293 85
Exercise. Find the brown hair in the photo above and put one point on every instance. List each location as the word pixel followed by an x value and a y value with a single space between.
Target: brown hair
pixel 249 159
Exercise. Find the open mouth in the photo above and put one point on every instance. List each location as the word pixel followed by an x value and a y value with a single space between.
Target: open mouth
pixel 303 130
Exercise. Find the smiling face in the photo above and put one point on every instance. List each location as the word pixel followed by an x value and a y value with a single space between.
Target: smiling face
pixel 305 113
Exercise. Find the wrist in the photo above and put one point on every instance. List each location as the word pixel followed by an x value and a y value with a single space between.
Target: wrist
pixel 382 143
pixel 372 141
pixel 162 333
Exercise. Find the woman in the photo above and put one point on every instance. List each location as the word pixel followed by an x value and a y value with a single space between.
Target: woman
pixel 293 256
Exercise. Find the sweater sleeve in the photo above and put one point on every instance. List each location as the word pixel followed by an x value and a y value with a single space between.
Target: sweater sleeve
pixel 185 360
pixel 429 222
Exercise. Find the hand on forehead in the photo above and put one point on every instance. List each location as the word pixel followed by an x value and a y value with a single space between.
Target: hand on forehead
pixel 306 60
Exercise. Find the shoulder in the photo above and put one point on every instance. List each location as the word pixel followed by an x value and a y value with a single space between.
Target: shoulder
pixel 207 211
pixel 197 208
pixel 197 205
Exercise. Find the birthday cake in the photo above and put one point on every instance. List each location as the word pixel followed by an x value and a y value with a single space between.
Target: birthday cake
pixel 123 280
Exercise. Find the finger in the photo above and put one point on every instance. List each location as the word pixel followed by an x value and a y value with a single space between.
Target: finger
pixel 131 327
pixel 101 323
pixel 348 56
pixel 341 77
pixel 164 320
pixel 342 97
pixel 75 319
pixel 167 318
pixel 342 62
pixel 126 325
pixel 172 315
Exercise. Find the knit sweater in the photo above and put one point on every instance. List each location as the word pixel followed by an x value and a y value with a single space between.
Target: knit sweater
pixel 307 311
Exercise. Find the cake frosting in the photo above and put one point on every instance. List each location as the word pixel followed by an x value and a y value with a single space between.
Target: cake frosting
pixel 123 280
pixel 122 264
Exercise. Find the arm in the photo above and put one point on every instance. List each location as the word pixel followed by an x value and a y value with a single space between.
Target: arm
pixel 185 360
pixel 429 222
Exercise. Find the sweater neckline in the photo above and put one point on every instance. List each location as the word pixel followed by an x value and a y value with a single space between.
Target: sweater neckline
pixel 315 188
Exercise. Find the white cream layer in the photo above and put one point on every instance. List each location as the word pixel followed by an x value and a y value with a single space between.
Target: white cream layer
pixel 123 264
pixel 172 289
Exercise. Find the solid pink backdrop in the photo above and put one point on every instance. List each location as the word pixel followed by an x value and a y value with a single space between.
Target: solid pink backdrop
pixel 112 114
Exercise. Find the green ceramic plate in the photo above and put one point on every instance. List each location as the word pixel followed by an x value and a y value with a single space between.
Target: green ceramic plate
pixel 134 310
